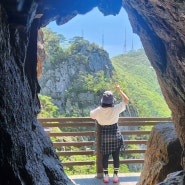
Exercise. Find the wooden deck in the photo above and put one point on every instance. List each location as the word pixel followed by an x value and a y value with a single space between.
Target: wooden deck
pixel 125 179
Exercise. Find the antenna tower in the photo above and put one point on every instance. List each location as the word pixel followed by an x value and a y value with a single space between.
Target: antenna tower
pixel 125 44
pixel 103 40
pixel 82 32
pixel 132 49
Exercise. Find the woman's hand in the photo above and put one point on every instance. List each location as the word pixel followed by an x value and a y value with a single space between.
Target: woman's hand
pixel 123 95
pixel 117 87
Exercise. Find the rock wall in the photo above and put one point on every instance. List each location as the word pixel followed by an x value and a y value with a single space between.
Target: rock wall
pixel 162 156
pixel 174 178
pixel 27 155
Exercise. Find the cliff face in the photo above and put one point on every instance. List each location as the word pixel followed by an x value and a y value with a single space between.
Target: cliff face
pixel 58 78
pixel 160 25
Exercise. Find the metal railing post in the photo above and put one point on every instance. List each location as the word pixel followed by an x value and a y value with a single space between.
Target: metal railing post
pixel 99 167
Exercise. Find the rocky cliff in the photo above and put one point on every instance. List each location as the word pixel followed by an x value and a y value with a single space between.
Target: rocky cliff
pixel 63 80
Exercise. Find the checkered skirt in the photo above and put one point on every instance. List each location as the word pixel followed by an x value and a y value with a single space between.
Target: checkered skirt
pixel 111 139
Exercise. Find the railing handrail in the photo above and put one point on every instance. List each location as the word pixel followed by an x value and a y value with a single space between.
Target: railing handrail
pixel 88 122
pixel 88 119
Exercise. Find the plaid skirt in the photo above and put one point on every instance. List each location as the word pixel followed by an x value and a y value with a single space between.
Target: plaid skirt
pixel 111 139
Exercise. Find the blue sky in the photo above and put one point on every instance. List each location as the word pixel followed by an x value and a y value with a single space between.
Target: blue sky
pixel 107 31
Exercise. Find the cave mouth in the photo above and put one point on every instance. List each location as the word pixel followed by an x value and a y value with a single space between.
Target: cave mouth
pixel 20 21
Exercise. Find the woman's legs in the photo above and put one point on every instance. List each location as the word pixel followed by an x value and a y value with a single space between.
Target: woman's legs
pixel 115 156
pixel 105 159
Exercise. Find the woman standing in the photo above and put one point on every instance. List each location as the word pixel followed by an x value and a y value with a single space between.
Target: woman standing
pixel 107 116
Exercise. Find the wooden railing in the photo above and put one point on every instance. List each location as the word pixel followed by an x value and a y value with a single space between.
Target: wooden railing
pixel 69 127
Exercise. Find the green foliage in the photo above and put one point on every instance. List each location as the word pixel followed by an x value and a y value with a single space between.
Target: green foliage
pixel 76 45
pixel 52 45
pixel 96 82
pixel 86 169
pixel 139 78
pixel 48 109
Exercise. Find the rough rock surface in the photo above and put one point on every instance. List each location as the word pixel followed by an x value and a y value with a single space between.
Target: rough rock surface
pixel 26 154
pixel 162 156
pixel 176 178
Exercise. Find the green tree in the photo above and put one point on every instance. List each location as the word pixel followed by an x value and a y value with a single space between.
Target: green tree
pixel 48 109
pixel 52 44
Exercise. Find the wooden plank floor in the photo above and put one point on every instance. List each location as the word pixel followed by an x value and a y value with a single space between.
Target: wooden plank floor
pixel 125 179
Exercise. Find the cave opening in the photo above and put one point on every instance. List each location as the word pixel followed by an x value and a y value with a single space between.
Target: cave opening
pixel 20 21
